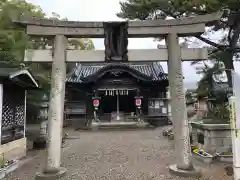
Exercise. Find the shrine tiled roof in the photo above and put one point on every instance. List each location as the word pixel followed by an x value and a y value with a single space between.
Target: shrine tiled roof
pixel 153 70
pixel 16 75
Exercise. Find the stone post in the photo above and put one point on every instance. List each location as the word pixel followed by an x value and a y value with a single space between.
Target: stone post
pixel 235 124
pixel 169 111
pixel 183 166
pixel 55 117
pixel 25 112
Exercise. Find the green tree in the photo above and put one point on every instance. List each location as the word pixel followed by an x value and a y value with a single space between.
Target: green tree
pixel 160 9
pixel 14 41
pixel 215 90
pixel 205 85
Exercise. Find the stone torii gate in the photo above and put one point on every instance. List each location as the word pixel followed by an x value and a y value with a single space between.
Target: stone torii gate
pixel 171 30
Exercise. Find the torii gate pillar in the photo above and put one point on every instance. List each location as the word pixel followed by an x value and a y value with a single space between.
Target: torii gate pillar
pixel 179 110
pixel 52 169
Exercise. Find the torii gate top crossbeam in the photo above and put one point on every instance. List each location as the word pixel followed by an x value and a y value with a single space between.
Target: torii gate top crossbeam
pixel 147 28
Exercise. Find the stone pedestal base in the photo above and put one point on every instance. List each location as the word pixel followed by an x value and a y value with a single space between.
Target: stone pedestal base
pixel 51 176
pixel 184 173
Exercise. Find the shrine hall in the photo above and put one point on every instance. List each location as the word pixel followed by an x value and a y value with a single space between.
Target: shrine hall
pixel 122 92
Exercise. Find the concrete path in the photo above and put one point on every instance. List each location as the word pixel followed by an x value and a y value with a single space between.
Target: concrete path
pixel 118 155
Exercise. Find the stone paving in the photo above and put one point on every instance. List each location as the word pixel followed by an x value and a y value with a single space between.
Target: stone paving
pixel 117 155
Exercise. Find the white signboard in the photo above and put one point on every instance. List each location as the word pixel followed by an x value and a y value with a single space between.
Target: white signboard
pixel 157 105
pixel 164 110
pixel 161 103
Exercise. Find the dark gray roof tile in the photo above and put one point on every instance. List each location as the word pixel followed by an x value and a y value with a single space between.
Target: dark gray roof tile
pixel 153 70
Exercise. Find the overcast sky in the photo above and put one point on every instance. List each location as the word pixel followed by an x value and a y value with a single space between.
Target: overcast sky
pixel 96 10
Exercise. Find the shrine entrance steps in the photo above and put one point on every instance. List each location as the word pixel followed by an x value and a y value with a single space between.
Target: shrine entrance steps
pixel 120 126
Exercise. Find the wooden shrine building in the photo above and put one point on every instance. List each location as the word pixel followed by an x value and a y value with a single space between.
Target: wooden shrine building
pixel 117 86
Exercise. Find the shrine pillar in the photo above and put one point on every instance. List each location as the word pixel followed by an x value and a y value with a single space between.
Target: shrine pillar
pixel 52 168
pixel 178 110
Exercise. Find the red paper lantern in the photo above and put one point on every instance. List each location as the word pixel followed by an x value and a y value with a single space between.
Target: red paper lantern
pixel 138 102
pixel 96 102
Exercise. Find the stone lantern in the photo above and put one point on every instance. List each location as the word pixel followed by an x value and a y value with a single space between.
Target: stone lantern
pixel 43 116
pixel 96 102
pixel 138 103
pixel 40 141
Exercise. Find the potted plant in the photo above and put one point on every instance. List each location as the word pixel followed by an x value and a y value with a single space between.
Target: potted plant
pixel 226 157
pixel 11 165
pixel 193 147
pixel 167 132
pixel 2 171
pixel 7 166
pixel 202 156
pixel 171 136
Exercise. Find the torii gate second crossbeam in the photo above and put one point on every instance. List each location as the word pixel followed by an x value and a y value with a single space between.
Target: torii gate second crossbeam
pixel 134 55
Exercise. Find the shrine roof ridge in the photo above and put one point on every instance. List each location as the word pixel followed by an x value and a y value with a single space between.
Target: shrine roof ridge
pixel 204 19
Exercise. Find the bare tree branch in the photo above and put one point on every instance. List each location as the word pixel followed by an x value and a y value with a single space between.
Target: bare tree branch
pixel 220 47
pixel 235 37
pixel 216 45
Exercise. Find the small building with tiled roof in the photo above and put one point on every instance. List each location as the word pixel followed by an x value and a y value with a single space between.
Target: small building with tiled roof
pixel 116 86
pixel 14 84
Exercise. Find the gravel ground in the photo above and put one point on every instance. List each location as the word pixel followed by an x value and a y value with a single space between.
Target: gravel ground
pixel 116 155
